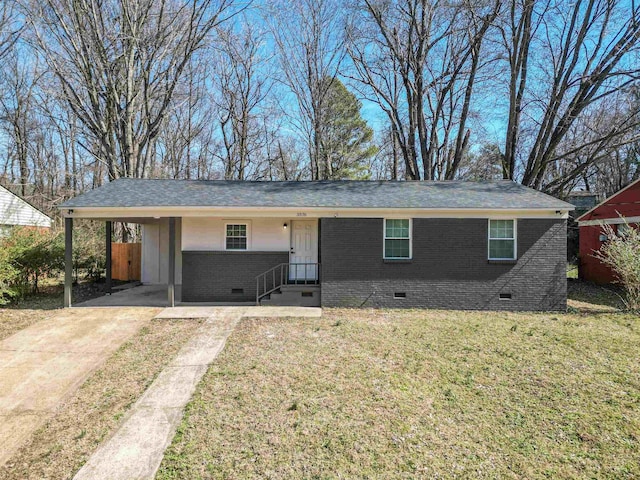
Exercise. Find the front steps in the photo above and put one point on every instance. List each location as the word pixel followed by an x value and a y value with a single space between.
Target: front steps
pixel 294 296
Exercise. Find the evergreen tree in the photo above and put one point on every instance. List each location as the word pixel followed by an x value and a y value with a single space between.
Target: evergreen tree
pixel 345 143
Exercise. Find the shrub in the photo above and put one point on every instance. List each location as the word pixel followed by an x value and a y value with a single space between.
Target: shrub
pixel 8 274
pixel 622 254
pixel 28 255
pixel 89 249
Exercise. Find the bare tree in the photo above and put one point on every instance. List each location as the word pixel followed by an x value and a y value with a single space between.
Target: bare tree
pixel 181 149
pixel 614 171
pixel 423 56
pixel 18 83
pixel 40 138
pixel 517 31
pixel 310 46
pixel 243 79
pixel 402 33
pixel 452 83
pixel 379 80
pixel 10 26
pixel 579 56
pixel 119 63
pixel 603 148
pixel 387 162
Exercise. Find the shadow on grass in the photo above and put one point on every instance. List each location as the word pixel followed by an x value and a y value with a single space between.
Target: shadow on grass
pixel 592 298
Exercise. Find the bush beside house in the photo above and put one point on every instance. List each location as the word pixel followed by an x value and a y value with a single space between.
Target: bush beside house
pixel 621 252
pixel 28 256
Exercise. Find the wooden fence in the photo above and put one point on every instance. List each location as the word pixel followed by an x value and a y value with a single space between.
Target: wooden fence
pixel 126 261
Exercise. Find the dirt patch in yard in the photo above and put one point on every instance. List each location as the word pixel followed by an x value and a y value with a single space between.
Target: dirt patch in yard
pixel 65 442
pixel 418 394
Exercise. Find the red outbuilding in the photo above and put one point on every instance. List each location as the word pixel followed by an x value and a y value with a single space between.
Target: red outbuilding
pixel 619 210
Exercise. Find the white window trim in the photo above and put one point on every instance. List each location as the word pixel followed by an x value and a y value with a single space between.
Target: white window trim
pixel 384 237
pixel 224 236
pixel 515 238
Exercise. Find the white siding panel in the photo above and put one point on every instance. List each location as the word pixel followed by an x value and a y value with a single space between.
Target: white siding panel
pixel 155 259
pixel 150 254
pixel 15 211
pixel 208 234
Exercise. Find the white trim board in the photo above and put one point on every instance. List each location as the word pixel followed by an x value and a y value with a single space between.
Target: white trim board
pixel 314 212
pixel 609 221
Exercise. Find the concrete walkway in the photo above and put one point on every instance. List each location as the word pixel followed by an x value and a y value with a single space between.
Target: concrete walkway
pixel 137 447
pixel 47 361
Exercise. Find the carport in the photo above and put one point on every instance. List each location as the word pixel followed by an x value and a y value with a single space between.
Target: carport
pixel 159 258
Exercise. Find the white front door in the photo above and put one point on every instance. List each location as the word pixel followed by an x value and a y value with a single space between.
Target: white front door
pixel 303 254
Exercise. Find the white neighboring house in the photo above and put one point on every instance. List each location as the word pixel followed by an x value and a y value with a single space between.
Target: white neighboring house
pixel 14 211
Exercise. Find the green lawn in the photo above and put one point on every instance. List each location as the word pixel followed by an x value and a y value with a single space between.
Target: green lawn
pixel 419 394
pixel 572 270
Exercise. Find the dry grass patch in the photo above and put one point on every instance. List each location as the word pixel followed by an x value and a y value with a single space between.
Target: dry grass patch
pixel 65 442
pixel 18 316
pixel 418 394
pixel 21 314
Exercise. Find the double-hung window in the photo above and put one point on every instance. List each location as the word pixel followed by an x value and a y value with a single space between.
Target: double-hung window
pixel 236 236
pixel 397 238
pixel 502 240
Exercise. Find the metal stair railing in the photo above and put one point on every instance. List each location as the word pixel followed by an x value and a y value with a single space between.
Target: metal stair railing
pixel 274 278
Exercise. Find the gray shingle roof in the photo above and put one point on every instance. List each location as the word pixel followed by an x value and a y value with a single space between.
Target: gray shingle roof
pixel 332 194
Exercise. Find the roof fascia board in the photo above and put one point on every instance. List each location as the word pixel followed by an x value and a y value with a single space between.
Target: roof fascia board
pixel 311 212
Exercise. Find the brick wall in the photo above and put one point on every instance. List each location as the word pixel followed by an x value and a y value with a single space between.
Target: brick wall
pixel 449 268
pixel 212 276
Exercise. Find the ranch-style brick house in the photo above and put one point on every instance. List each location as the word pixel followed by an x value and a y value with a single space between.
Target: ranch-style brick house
pixel 493 245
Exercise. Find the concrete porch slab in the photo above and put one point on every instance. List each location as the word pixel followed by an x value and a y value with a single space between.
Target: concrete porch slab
pixel 141 296
pixel 156 296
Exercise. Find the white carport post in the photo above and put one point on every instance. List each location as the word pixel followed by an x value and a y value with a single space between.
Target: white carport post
pixel 171 289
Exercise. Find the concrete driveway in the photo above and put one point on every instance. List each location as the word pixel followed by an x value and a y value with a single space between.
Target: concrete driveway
pixel 44 363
